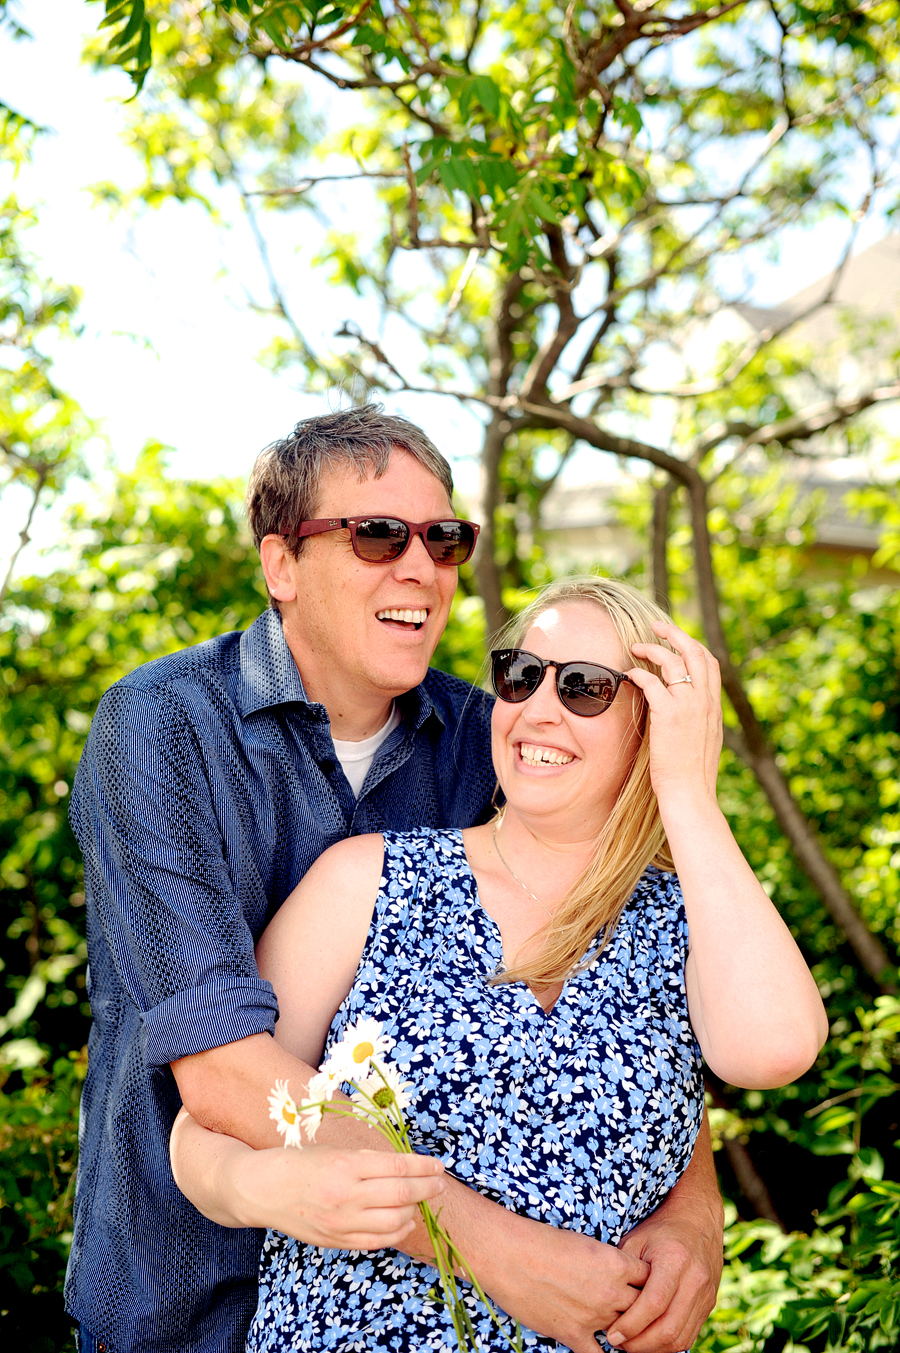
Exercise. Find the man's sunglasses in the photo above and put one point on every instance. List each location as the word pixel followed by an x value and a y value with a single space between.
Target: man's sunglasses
pixel 379 540
pixel 585 688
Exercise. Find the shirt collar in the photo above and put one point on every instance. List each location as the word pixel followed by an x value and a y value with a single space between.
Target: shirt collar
pixel 268 673
pixel 269 676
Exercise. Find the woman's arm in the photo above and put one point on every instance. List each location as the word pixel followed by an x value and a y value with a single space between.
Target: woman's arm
pixel 343 1199
pixel 754 1006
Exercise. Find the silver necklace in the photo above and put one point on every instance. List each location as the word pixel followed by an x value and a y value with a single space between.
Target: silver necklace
pixel 515 875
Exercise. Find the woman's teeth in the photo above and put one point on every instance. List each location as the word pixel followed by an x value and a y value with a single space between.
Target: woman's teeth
pixel 407 617
pixel 543 756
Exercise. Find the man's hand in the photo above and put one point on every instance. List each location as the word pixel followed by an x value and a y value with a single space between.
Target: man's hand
pixel 682 1243
pixel 679 1294
pixel 563 1284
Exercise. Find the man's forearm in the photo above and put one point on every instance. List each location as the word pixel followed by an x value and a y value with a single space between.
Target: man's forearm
pixel 226 1091
pixel 696 1194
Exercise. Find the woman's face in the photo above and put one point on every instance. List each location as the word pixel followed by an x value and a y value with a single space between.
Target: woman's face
pixel 559 766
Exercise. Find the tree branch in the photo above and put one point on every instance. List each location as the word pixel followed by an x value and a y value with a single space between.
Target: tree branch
pixel 42 471
pixel 815 420
pixel 304 185
pixel 659 542
pixel 545 359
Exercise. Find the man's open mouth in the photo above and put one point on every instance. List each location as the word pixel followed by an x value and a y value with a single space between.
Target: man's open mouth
pixel 414 619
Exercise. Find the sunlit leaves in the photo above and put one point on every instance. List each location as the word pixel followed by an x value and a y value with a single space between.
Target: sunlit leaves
pixel 133 32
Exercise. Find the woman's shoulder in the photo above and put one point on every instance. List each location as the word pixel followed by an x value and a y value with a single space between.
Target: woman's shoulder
pixel 661 883
pixel 656 912
pixel 352 854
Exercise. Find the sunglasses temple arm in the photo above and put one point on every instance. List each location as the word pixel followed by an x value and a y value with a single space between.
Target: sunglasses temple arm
pixel 315 528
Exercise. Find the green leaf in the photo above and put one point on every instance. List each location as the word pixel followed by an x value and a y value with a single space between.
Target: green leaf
pixel 487 93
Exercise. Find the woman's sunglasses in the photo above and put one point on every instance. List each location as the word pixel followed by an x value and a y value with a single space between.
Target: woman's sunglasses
pixel 379 540
pixel 585 688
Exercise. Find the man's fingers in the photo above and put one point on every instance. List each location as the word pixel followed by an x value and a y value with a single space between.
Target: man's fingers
pixel 641 1314
pixel 654 1300
pixel 636 1271
pixel 668 1314
pixel 671 1333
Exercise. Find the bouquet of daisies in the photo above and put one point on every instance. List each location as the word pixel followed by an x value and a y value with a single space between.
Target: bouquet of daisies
pixel 379 1095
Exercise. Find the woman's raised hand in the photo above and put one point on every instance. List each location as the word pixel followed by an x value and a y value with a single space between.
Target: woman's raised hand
pixel 685 712
pixel 754 1006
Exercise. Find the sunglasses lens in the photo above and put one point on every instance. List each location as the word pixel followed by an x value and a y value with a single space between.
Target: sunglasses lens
pixel 450 542
pixel 379 539
pixel 585 689
pixel 515 674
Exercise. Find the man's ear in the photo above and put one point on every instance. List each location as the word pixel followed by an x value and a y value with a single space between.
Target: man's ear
pixel 277 565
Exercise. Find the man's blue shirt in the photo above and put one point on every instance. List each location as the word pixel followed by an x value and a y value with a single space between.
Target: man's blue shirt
pixel 208 786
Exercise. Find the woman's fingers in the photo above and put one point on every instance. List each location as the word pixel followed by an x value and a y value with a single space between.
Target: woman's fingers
pixel 350 1199
pixel 690 658
pixel 372 1164
pixel 685 712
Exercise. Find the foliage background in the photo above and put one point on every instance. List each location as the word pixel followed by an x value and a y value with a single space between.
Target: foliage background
pixel 149 563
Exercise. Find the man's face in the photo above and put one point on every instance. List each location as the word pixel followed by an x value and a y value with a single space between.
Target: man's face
pixel 339 624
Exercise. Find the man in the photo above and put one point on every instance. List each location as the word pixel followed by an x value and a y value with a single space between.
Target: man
pixel 211 781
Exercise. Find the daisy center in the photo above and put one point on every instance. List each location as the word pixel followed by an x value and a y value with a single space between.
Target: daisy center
pixel 287 1115
pixel 362 1051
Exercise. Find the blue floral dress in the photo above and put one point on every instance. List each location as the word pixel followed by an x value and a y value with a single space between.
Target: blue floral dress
pixel 581 1117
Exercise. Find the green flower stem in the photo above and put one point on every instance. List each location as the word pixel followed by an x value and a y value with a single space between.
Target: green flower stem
pixel 389 1121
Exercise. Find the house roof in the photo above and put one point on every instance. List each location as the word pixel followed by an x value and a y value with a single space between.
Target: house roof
pixel 868 285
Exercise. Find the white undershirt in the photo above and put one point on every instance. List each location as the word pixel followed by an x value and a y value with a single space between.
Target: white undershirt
pixel 357 757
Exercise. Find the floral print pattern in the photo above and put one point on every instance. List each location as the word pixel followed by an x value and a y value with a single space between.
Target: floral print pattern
pixel 583 1116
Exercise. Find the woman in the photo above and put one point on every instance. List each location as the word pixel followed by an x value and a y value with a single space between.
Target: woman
pixel 535 974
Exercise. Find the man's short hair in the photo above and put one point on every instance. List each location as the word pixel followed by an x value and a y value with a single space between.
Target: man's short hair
pixel 284 483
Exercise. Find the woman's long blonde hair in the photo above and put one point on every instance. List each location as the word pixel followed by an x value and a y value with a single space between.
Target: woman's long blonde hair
pixel 633 835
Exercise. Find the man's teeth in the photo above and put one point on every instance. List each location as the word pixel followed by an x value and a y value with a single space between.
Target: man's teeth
pixel 544 756
pixel 409 617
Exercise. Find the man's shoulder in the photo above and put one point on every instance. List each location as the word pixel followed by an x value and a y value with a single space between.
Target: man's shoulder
pixel 199 666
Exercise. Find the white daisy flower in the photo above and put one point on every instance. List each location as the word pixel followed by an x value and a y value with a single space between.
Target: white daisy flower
pixel 311 1116
pixel 353 1055
pixel 323 1085
pixel 385 1086
pixel 285 1114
